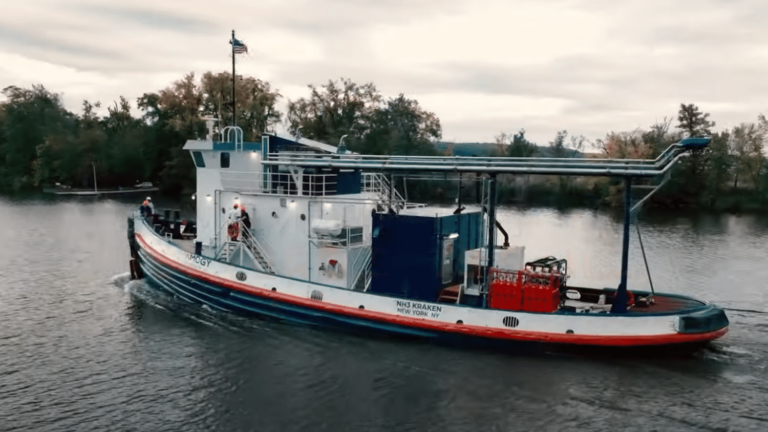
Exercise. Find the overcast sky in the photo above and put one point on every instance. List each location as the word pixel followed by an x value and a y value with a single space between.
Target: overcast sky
pixel 587 66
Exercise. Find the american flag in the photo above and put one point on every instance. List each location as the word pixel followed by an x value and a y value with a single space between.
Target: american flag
pixel 238 47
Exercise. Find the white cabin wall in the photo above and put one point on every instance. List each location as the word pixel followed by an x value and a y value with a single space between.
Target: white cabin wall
pixel 208 181
pixel 286 236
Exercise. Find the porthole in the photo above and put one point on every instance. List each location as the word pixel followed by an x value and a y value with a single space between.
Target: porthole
pixel 240 276
pixel 569 331
pixel 274 289
pixel 274 215
pixel 303 216
pixel 316 295
pixel 510 321
pixel 361 307
pixel 459 322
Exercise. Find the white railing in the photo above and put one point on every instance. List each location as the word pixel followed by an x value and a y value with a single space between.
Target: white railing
pixel 350 237
pixel 233 134
pixel 379 184
pixel 360 266
pixel 257 251
pixel 279 183
pixel 242 181
pixel 245 242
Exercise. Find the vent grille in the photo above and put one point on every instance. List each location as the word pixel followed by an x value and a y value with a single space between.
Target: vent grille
pixel 316 295
pixel 511 321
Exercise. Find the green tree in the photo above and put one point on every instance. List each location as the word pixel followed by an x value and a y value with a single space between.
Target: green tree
pixel 372 125
pixel 400 127
pixel 694 122
pixel 520 146
pixel 333 110
pixel 123 160
pixel 659 137
pixel 691 182
pixel 747 141
pixel 29 117
pixel 256 103
pixel 560 148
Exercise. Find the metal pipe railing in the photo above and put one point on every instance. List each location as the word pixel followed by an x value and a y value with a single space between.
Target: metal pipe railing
pixel 542 166
pixel 627 171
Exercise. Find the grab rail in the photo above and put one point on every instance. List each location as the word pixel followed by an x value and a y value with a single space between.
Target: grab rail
pixel 548 166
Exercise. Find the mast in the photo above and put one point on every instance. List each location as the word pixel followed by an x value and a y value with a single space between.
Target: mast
pixel 234 107
pixel 620 301
pixel 491 236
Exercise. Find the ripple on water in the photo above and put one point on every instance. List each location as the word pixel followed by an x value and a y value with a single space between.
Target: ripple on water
pixel 85 348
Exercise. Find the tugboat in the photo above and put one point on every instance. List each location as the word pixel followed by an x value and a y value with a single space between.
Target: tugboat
pixel 332 242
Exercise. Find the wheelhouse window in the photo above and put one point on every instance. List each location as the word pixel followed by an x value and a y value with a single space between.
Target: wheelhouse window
pixel 199 161
pixel 224 160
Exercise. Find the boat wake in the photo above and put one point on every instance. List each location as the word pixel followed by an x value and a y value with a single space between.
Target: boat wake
pixel 202 314
pixel 121 280
pixel 751 311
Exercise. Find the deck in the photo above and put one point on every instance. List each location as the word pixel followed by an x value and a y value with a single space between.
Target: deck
pixel 665 304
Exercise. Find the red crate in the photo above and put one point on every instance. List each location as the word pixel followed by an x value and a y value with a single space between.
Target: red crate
pixel 505 291
pixel 524 291
pixel 541 297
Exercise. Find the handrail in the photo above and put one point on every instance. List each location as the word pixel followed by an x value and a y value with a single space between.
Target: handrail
pixel 626 171
pixel 250 241
pixel 366 256
pixel 378 183
pixel 253 182
pixel 227 136
pixel 545 166
pixel 501 159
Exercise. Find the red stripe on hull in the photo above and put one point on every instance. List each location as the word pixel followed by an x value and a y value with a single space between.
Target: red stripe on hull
pixel 465 329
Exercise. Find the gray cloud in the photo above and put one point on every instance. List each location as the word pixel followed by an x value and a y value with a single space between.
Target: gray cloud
pixel 647 58
pixel 146 17
pixel 25 38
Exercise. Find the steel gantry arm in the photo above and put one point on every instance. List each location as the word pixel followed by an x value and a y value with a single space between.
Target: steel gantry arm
pixel 624 168
pixel 491 165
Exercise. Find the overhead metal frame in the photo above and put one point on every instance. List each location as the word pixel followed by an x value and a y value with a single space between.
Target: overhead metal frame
pixel 623 168
pixel 490 165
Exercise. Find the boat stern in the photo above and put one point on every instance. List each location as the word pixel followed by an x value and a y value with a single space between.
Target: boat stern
pixel 710 320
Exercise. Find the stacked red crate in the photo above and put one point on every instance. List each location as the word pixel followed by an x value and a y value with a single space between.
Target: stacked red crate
pixel 542 293
pixel 506 290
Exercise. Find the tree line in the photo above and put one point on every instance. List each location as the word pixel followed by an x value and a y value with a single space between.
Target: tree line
pixel 42 143
pixel 731 173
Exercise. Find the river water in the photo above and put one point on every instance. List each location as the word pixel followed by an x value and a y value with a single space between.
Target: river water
pixel 83 348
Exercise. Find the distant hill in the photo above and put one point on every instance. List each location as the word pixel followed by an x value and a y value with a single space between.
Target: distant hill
pixel 487 149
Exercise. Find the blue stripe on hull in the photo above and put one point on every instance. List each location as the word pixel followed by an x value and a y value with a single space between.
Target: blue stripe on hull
pixel 224 299
pixel 219 298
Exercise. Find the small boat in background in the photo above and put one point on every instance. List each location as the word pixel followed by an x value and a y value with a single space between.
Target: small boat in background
pixel 60 189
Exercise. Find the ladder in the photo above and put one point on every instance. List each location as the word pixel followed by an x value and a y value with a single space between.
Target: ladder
pixel 362 268
pixel 258 253
pixel 227 250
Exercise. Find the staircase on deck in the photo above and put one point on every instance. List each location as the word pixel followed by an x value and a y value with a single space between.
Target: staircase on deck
pixel 386 192
pixel 451 294
pixel 248 245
